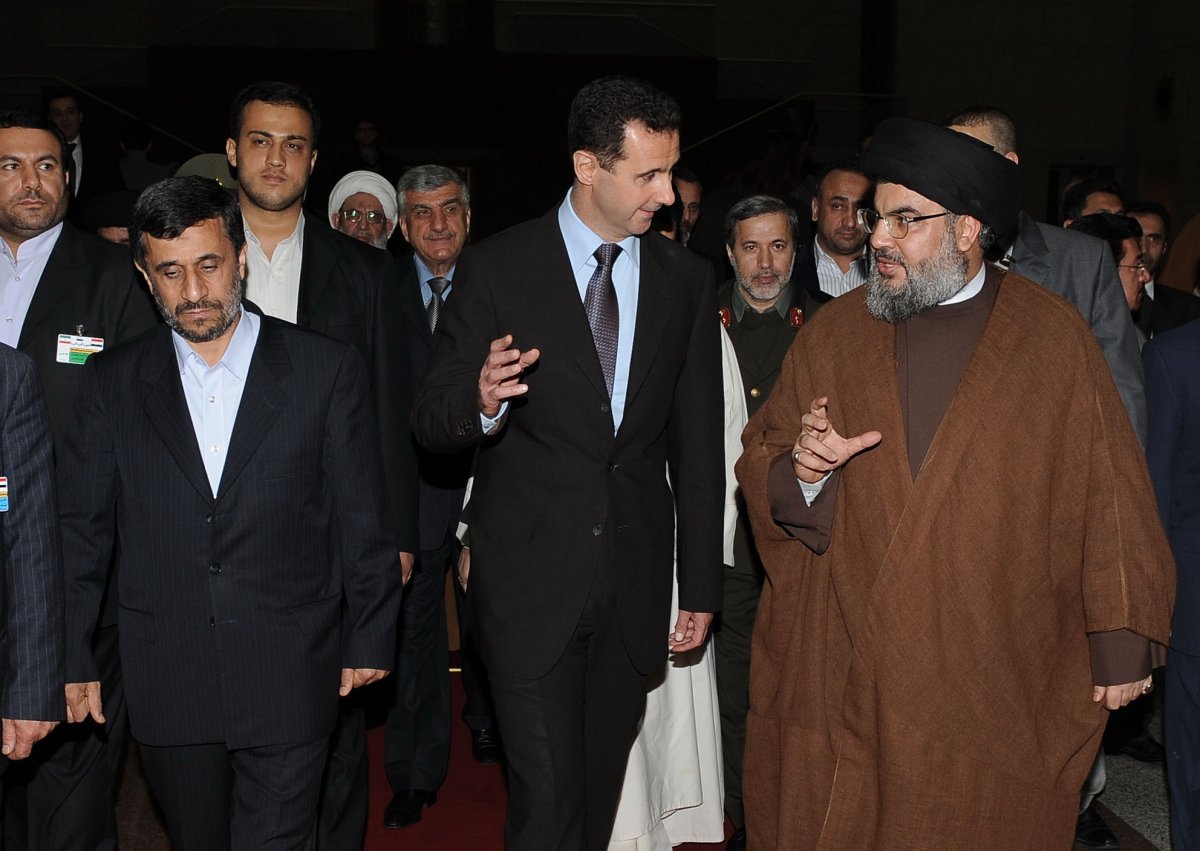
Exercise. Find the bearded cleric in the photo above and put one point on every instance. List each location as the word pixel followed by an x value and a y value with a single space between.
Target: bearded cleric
pixel 966 573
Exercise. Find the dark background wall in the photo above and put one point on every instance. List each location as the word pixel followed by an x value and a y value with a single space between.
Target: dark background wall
pixel 1104 85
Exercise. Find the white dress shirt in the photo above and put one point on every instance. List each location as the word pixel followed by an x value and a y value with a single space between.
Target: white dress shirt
pixel 274 284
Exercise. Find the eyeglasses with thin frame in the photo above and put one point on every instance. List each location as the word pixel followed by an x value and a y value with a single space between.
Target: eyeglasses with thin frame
pixel 895 223
pixel 374 217
pixel 1140 267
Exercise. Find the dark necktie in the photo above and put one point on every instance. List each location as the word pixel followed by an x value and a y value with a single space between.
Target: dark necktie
pixel 601 306
pixel 434 309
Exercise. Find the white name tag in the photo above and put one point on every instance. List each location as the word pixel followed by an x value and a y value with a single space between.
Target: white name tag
pixel 75 349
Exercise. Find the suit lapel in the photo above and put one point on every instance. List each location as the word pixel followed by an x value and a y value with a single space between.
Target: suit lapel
pixel 654 306
pixel 167 411
pixel 60 278
pixel 553 280
pixel 1030 251
pixel 317 263
pixel 262 401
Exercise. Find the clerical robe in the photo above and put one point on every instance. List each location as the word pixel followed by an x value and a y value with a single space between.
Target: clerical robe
pixel 924 682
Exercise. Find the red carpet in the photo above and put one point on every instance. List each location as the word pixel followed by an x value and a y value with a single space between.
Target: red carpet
pixel 469 813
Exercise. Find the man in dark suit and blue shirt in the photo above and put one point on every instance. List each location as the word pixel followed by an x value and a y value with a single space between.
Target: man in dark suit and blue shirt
pixel 572 519
pixel 65 294
pixel 257 576
pixel 435 218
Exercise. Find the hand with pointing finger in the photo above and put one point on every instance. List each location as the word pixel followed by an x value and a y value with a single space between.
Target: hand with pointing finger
pixel 819 450
pixel 500 377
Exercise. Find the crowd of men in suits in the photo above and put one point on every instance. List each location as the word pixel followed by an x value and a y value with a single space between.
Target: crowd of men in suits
pixel 208 520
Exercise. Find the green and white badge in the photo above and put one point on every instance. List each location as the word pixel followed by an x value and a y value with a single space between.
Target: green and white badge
pixel 76 349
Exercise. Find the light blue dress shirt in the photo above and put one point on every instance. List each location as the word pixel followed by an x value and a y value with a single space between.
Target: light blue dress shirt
pixel 213 393
pixel 423 277
pixel 19 277
pixel 582 242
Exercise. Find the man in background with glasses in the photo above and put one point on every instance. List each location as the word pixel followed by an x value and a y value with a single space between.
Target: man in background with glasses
pixel 953 601
pixel 363 205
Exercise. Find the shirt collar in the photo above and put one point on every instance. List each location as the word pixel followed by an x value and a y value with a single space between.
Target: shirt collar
pixel 237 354
pixel 423 273
pixel 740 305
pixel 296 234
pixel 582 241
pixel 973 288
pixel 823 255
pixel 33 247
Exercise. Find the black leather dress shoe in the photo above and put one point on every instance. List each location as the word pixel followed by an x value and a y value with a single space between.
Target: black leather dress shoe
pixel 485 746
pixel 1144 748
pixel 1090 830
pixel 405 808
pixel 737 840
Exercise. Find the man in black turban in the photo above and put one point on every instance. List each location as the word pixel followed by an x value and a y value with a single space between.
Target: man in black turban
pixel 956 520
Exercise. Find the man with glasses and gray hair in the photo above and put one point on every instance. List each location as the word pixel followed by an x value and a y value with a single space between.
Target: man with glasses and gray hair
pixel 434 206
pixel 363 205
pixel 966 571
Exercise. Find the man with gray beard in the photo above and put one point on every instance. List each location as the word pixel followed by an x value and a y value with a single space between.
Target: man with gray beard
pixel 932 281
pixel 956 521
pixel 761 310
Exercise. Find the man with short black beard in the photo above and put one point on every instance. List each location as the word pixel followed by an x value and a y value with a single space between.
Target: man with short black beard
pixel 258 578
pixel 761 310
pixel 65 294
pixel 955 517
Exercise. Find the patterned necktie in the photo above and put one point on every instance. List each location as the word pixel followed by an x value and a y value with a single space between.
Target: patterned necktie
pixel 602 313
pixel 434 309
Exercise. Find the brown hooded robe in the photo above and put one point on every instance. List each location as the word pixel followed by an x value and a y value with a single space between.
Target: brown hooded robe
pixel 925 682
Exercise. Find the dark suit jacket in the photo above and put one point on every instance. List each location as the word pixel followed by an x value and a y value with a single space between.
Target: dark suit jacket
pixel 348 291
pixel 1169 309
pixel 557 497
pixel 31 593
pixel 1080 268
pixel 443 476
pixel 1173 454
pixel 231 607
pixel 90 284
pixel 100 174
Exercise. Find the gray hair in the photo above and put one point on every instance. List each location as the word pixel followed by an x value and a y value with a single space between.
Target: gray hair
pixel 759 205
pixel 427 178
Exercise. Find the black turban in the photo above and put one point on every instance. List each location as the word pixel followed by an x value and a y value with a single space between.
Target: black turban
pixel 962 174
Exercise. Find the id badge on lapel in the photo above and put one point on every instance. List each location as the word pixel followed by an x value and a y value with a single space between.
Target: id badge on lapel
pixel 76 348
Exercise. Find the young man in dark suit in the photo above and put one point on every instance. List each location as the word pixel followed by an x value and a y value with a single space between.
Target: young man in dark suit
pixel 69 294
pixel 258 579
pixel 572 519
pixel 303 271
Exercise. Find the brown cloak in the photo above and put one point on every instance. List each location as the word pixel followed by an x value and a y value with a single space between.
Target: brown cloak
pixel 925 682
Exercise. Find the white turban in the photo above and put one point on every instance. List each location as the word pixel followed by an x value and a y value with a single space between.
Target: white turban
pixel 364 181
